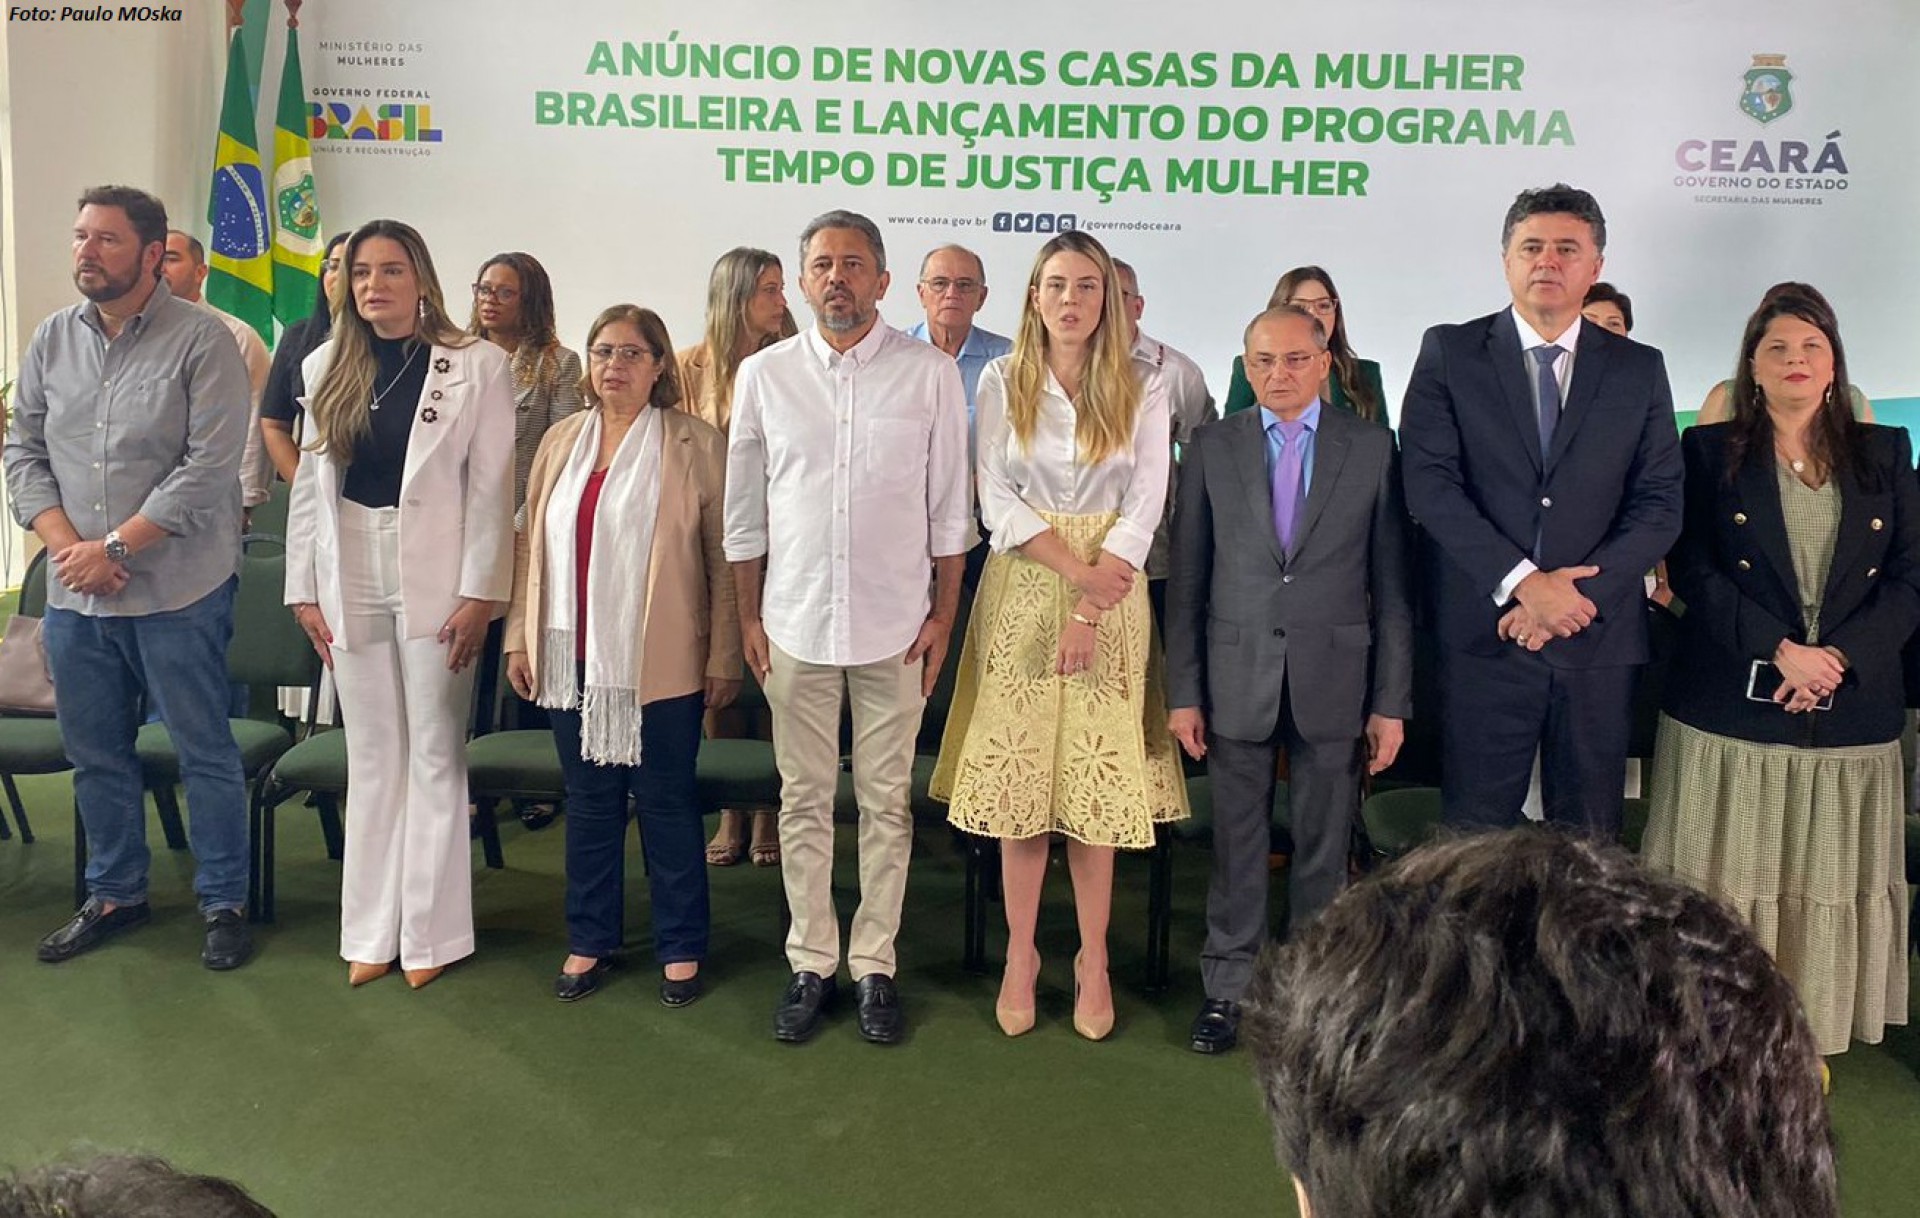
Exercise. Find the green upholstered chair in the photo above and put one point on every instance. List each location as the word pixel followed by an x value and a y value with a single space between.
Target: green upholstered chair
pixel 29 744
pixel 268 648
pixel 269 519
pixel 316 767
pixel 522 764
pixel 1399 820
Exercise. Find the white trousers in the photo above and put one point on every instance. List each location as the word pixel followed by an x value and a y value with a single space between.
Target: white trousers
pixel 407 887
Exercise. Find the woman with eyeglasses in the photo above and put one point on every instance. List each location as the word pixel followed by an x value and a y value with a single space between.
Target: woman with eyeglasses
pixel 513 309
pixel 624 626
pixel 746 311
pixel 280 408
pixel 399 553
pixel 1353 384
pixel 1059 721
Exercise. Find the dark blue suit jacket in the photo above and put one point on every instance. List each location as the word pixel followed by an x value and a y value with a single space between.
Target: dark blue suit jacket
pixel 1608 494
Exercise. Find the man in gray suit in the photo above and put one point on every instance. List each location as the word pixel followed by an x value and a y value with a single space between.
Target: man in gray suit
pixel 1289 625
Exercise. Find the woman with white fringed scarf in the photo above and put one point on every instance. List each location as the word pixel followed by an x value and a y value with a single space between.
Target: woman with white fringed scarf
pixel 623 626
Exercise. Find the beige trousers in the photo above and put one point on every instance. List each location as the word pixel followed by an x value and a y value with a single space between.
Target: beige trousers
pixel 887 703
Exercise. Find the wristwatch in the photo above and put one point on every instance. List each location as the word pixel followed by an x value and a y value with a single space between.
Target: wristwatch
pixel 117 550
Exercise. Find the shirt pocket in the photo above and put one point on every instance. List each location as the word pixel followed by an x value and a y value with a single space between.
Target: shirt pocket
pixel 895 457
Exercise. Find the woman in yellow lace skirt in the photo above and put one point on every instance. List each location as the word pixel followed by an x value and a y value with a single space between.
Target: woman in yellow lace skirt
pixel 1058 721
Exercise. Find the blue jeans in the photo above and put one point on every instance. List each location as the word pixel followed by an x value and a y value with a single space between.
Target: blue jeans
pixel 671 834
pixel 101 666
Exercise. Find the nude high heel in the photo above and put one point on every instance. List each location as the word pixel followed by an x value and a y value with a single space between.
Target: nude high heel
pixel 359 972
pixel 1017 1021
pixel 418 977
pixel 1090 1027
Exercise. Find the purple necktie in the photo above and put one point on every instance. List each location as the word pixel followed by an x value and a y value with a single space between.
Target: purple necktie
pixel 1288 488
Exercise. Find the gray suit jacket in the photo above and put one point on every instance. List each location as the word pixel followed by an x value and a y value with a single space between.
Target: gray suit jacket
pixel 1331 621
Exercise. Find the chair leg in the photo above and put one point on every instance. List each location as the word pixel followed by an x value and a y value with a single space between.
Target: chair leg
pixel 79 857
pixel 974 932
pixel 256 793
pixel 489 828
pixel 1159 910
pixel 167 804
pixel 328 807
pixel 269 820
pixel 19 810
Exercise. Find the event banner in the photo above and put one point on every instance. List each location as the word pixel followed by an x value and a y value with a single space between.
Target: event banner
pixel 626 145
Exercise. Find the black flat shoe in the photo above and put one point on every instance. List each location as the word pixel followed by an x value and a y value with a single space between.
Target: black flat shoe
pixel 229 941
pixel 1216 1028
pixel 572 987
pixel 798 1016
pixel 880 1019
pixel 681 993
pixel 535 817
pixel 89 928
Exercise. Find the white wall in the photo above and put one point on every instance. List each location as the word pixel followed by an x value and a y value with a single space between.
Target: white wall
pixel 85 104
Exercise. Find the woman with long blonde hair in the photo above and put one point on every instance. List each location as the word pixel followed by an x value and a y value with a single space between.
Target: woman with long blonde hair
pixel 746 312
pixel 1058 722
pixel 399 553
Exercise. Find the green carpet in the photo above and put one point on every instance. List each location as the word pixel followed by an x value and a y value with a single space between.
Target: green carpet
pixel 481 1095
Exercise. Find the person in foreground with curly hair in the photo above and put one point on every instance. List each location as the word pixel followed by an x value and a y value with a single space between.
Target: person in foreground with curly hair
pixel 1529 1023
pixel 123 1186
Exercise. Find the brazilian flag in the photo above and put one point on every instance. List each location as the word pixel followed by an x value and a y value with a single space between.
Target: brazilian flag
pixel 296 207
pixel 241 281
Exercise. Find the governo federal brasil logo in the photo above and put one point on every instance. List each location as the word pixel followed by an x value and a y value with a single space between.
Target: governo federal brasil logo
pixel 1766 91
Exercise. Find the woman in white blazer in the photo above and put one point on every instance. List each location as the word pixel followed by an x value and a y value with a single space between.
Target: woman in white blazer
pixel 399 553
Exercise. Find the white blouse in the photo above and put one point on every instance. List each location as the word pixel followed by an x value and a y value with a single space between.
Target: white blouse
pixel 1016 483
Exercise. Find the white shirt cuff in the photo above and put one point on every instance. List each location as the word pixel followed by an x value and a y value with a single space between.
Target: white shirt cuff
pixel 1522 569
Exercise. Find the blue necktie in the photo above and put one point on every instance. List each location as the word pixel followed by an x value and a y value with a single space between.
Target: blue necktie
pixel 1549 386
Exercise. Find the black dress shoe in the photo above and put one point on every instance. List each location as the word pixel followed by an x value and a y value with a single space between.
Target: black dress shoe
pixel 806 1000
pixel 1216 1028
pixel 680 993
pixel 229 942
pixel 89 928
pixel 572 987
pixel 880 1019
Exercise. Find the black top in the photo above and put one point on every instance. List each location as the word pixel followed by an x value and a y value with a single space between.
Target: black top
pixel 373 476
pixel 285 385
pixel 1733 569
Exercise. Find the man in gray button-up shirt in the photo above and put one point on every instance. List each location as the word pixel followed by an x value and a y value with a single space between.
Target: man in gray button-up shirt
pixel 123 456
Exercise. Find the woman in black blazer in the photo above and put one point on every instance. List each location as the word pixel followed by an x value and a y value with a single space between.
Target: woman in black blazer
pixel 1777 777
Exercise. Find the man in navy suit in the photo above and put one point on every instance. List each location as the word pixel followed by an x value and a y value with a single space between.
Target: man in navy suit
pixel 1542 462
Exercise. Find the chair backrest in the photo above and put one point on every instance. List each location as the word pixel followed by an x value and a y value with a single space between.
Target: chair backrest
pixel 268 646
pixel 33 588
pixel 270 518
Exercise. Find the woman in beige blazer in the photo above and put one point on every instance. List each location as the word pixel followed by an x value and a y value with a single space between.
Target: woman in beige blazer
pixel 623 626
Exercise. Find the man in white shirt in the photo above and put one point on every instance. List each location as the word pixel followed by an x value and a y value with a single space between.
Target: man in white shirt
pixel 1189 405
pixel 847 474
pixel 185 270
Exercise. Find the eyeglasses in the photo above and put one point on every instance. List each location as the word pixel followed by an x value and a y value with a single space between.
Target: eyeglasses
pixel 1294 360
pixel 604 354
pixel 486 291
pixel 1324 306
pixel 966 287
